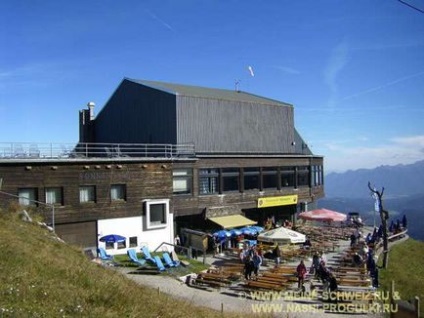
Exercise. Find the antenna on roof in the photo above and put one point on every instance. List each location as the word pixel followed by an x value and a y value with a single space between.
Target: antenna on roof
pixel 236 85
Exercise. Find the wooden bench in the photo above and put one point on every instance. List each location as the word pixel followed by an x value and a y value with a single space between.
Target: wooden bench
pixel 264 285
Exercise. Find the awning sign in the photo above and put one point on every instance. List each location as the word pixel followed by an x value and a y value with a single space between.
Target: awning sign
pixel 277 201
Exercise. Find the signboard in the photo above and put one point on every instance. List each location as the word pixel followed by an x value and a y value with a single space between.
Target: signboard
pixel 277 201
pixel 196 239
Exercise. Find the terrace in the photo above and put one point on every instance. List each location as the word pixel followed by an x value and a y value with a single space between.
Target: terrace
pixel 44 151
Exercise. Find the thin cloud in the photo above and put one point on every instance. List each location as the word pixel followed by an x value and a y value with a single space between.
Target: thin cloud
pixel 337 62
pixel 35 74
pixel 155 17
pixel 383 86
pixel 286 69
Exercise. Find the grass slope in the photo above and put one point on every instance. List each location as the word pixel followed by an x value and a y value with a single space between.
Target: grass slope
pixel 405 268
pixel 43 277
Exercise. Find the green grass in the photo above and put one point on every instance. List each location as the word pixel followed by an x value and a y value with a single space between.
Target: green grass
pixel 41 276
pixel 405 268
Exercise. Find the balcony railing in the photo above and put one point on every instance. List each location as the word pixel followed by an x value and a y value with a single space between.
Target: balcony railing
pixel 22 150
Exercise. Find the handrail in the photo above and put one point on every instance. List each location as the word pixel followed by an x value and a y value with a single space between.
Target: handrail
pixel 390 238
pixel 25 150
pixel 188 250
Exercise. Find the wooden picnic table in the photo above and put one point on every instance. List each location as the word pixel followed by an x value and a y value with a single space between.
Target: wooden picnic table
pixel 264 285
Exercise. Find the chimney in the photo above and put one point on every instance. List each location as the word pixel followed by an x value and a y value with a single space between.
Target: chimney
pixel 91 108
pixel 86 123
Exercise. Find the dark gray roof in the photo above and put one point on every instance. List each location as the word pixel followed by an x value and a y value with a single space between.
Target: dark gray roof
pixel 215 93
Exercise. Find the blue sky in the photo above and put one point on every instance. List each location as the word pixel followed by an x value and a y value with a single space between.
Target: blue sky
pixel 353 69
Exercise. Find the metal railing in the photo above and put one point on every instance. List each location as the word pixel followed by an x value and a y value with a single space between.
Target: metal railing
pixel 22 150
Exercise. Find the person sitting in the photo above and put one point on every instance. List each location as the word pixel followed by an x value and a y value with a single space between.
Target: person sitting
pixel 323 273
pixel 307 244
pixel 352 240
pixel 357 260
pixel 332 286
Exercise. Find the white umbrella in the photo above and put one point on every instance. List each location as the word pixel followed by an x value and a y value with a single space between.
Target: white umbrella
pixel 282 235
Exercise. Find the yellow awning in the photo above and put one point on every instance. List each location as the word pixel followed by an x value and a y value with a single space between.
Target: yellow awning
pixel 232 221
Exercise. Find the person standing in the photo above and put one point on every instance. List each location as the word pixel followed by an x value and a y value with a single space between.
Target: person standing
pixel 277 255
pixel 257 262
pixel 301 274
pixel 248 267
pixel 177 243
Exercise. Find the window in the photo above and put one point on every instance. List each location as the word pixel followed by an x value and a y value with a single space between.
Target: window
pixel 156 213
pixel 230 179
pixel 87 194
pixel 133 241
pixel 269 177
pixel 27 196
pixel 182 181
pixel 109 245
pixel 54 195
pixel 208 181
pixel 317 175
pixel 303 176
pixel 287 177
pixel 118 192
pixel 251 178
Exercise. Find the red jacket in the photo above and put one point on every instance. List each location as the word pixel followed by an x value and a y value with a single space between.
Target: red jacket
pixel 301 270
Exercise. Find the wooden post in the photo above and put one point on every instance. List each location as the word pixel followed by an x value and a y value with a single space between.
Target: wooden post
pixel 384 216
pixel 417 306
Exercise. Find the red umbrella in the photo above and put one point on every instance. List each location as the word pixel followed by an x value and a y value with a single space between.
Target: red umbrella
pixel 323 215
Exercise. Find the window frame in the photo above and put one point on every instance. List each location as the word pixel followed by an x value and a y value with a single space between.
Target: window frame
pixel 212 178
pixel 270 172
pixel 186 178
pixel 58 201
pixel 303 176
pixel 289 173
pixel 148 213
pixel 251 173
pixel 123 195
pixel 92 198
pixel 28 201
pixel 228 176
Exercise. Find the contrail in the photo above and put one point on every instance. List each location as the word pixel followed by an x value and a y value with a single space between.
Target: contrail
pixel 166 25
pixel 380 87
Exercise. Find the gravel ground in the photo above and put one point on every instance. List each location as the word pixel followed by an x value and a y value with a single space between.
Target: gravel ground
pixel 232 300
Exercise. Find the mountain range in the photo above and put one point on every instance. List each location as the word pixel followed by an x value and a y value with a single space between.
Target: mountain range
pixel 399 180
pixel 403 194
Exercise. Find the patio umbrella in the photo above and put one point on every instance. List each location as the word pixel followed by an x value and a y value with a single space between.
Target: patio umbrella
pixel 282 235
pixel 222 234
pixel 236 232
pixel 248 230
pixel 257 228
pixel 112 238
pixel 323 215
